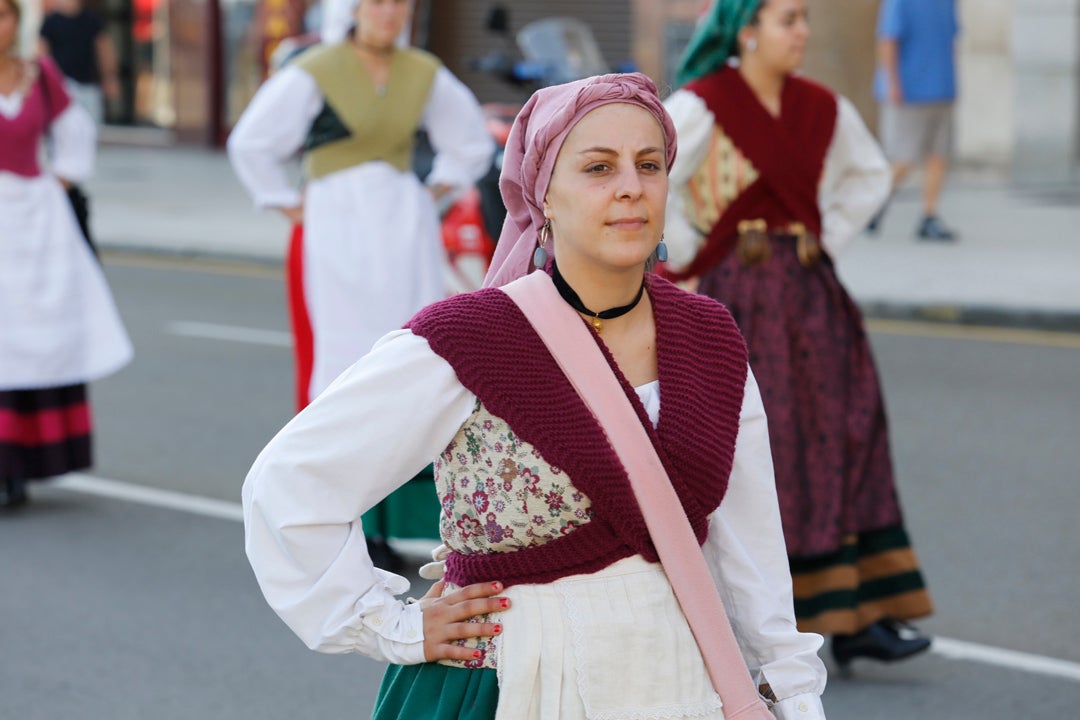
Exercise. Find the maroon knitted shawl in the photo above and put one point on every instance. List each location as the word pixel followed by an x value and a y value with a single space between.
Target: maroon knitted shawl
pixel 498 356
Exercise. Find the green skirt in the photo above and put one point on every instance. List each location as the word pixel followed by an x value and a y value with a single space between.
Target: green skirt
pixel 436 692
pixel 409 513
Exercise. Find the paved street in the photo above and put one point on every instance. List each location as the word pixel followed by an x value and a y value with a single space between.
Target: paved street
pixel 120 609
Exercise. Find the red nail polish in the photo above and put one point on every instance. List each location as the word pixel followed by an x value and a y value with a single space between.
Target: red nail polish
pixel 498 629
pixel 477 654
pixel 495 585
pixel 504 603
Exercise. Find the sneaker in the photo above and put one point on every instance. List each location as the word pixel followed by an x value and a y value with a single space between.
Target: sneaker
pixel 931 228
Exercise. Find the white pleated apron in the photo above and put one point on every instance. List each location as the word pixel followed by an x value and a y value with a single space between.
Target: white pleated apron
pixel 612 645
pixel 373 257
pixel 58 323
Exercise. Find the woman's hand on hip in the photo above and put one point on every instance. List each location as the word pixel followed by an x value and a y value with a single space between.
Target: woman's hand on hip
pixel 295 214
pixel 446 619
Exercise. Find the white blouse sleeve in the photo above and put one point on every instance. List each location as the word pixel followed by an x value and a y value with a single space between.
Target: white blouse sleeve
pixel 746 553
pixel 694 125
pixel 374 428
pixel 74 144
pixel 856 180
pixel 455 125
pixel 270 132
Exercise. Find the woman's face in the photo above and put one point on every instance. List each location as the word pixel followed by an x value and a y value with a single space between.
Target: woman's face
pixel 608 189
pixel 9 27
pixel 781 32
pixel 380 22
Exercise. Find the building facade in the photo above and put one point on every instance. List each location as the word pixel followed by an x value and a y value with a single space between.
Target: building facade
pixel 189 67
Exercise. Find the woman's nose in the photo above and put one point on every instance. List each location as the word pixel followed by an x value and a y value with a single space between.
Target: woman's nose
pixel 629 184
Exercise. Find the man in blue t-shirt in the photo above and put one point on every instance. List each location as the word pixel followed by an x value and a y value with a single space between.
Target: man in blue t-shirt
pixel 916 86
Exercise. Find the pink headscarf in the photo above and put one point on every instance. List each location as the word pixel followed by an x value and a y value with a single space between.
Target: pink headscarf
pixel 535 140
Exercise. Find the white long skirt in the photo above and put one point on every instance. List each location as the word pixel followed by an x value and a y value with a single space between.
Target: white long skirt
pixel 612 645
pixel 373 257
pixel 58 322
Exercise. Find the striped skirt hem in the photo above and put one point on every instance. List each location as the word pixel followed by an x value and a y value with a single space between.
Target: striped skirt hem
pixel 44 433
pixel 874 575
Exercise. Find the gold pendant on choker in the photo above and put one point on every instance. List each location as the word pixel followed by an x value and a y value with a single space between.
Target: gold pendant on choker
pixel 597 323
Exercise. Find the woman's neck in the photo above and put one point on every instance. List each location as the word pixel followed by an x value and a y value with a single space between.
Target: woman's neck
pixel 371 50
pixel 601 290
pixel 10 72
pixel 767 84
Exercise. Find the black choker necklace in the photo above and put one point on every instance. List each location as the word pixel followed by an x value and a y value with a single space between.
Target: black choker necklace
pixel 595 318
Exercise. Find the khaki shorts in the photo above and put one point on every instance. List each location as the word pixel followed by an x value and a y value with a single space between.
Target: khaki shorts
pixel 910 133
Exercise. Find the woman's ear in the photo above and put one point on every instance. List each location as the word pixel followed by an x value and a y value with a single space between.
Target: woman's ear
pixel 547 208
pixel 746 37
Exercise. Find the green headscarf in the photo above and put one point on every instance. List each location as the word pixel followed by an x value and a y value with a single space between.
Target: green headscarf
pixel 716 38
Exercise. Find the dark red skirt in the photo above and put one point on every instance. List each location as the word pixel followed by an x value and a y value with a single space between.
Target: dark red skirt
pixel 851 561
pixel 810 355
pixel 44 433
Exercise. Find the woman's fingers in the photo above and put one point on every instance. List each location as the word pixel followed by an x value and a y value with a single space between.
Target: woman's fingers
pixel 446 648
pixel 467 630
pixel 446 619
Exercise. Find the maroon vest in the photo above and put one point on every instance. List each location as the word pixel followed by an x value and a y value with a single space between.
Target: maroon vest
pixel 20 136
pixel 788 152
pixel 702 362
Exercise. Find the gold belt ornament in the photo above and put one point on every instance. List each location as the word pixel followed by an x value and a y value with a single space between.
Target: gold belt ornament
pixel 753 247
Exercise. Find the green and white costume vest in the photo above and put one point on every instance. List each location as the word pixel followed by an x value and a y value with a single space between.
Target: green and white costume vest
pixel 360 122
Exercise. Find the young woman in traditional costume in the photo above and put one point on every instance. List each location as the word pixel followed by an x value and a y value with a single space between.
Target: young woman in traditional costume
pixel 777 174
pixel 371 252
pixel 59 328
pixel 553 604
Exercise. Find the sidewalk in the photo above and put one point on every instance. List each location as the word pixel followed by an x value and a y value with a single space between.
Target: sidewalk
pixel 1017 263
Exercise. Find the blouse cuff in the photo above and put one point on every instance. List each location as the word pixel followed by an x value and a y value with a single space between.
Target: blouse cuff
pixel 399 632
pixel 74 147
pixel 279 199
pixel 805 706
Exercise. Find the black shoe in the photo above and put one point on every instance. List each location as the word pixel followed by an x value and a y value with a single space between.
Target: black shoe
pixel 931 228
pixel 887 640
pixel 14 494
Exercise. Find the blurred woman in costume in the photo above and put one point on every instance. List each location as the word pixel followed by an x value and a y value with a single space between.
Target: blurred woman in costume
pixel 371 253
pixel 59 328
pixel 776 175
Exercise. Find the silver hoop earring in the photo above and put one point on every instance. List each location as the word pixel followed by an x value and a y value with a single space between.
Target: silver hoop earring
pixel 540 256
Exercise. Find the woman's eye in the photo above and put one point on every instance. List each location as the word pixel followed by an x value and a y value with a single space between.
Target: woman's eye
pixel 599 167
pixel 651 166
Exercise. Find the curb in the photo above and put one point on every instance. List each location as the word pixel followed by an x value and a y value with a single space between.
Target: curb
pixel 974 315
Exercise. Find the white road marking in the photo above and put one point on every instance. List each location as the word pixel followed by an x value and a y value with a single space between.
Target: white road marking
pixel 1012 659
pixel 155 497
pixel 209 507
pixel 232 333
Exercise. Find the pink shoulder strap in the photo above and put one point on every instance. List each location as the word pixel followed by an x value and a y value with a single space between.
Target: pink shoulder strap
pixel 574 349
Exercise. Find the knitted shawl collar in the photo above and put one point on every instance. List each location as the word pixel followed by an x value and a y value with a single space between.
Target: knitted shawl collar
pixel 702 363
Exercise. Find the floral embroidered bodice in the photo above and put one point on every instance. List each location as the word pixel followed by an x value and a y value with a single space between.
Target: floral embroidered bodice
pixel 497 493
